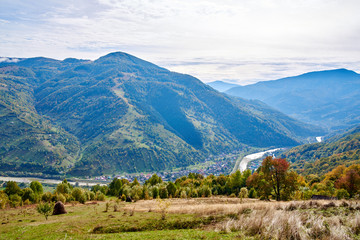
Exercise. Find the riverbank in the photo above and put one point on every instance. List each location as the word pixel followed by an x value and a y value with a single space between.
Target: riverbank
pixel 248 158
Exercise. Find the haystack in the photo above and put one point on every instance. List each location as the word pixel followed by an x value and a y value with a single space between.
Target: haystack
pixel 59 208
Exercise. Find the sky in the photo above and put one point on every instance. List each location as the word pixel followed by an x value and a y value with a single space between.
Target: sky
pixel 237 41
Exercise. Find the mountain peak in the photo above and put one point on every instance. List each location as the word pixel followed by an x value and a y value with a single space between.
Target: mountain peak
pixel 123 58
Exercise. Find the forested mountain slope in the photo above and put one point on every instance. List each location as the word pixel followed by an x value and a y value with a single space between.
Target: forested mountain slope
pixel 320 158
pixel 121 113
pixel 327 98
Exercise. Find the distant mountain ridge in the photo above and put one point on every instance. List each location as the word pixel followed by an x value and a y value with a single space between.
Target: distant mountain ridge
pixel 327 98
pixel 222 86
pixel 120 113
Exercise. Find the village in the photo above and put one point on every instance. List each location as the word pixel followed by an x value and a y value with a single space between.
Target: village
pixel 215 164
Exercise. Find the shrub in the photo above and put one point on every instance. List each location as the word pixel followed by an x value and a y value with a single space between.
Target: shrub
pixel 79 195
pixel 100 196
pixel 243 193
pixel 15 200
pixel 61 198
pixel 252 193
pixel 3 200
pixel 123 197
pixel 92 196
pixel 47 197
pixel 342 194
pixel 45 209
pixel 183 194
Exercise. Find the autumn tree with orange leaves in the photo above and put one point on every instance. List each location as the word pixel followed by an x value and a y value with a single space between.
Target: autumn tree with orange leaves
pixel 274 178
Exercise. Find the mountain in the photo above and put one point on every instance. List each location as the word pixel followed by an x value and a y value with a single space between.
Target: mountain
pixel 327 98
pixel 320 158
pixel 122 114
pixel 222 86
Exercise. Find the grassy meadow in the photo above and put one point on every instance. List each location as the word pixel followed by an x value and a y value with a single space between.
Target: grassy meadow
pixel 201 218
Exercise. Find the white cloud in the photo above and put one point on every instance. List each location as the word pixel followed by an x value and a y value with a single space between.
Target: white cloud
pixel 242 34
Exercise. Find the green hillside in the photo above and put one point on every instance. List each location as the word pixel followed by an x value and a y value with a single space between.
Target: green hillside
pixel 120 113
pixel 320 158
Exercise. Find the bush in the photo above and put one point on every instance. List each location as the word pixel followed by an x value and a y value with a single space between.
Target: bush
pixel 3 200
pixel 61 198
pixel 252 193
pixel 100 196
pixel 183 194
pixel 342 194
pixel 15 200
pixel 123 197
pixel 79 195
pixel 47 197
pixel 92 196
pixel 45 209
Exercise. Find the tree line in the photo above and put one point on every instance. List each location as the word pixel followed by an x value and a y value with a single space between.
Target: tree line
pixel 272 180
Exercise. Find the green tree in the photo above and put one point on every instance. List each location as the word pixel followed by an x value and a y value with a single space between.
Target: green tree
pixel 236 182
pixel 155 179
pixel 28 194
pixel 135 183
pixel 163 192
pixel 171 188
pixel 36 187
pixel 115 187
pixel 12 188
pixel 155 192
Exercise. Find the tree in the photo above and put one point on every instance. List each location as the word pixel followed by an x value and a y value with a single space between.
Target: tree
pixel 36 187
pixel 155 192
pixel 350 181
pixel 236 182
pixel 274 177
pixel 12 188
pixel 163 192
pixel 28 194
pixel 115 187
pixel 45 209
pixel 155 179
pixel 135 183
pixel 171 188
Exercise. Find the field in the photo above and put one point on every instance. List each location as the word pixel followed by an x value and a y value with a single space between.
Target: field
pixel 201 218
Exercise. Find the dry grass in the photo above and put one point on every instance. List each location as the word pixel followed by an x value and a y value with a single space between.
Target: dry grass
pixel 321 219
pixel 252 219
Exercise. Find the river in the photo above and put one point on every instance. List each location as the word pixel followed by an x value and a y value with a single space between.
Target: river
pixel 248 158
pixel 50 181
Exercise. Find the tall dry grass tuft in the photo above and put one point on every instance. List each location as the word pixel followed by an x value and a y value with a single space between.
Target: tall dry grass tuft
pixel 297 220
pixel 355 224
